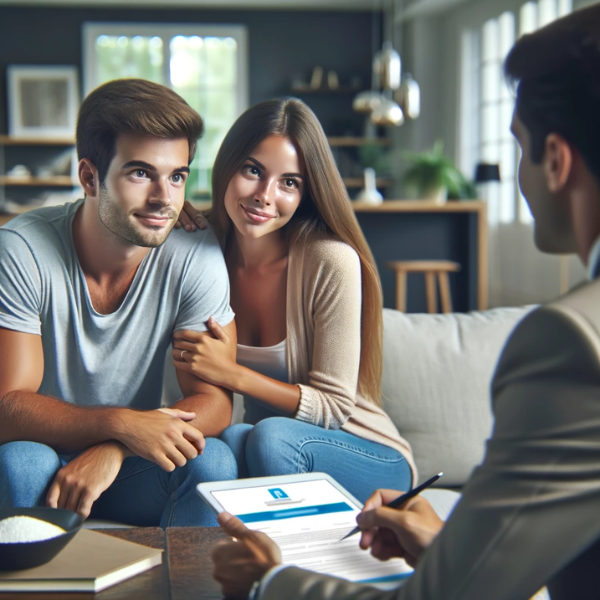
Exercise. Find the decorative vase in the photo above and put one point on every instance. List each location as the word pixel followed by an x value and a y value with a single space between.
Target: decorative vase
pixel 369 193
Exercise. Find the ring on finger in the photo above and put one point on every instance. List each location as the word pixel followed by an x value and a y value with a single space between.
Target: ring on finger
pixel 182 353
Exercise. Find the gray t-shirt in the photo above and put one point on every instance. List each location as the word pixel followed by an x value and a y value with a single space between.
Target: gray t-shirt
pixel 117 359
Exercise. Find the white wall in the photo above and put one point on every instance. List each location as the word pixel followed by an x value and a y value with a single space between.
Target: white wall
pixel 431 52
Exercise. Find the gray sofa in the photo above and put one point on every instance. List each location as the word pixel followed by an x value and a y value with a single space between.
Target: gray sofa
pixel 436 377
pixel 437 371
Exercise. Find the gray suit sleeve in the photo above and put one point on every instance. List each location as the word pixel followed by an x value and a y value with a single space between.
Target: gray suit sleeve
pixel 532 505
pixel 300 584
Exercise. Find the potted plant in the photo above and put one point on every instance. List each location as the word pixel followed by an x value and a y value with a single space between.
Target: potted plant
pixel 433 176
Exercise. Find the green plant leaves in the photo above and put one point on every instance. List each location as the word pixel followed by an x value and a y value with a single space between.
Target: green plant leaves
pixel 431 169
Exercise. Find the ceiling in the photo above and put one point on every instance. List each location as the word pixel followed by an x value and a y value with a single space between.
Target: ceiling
pixel 413 7
pixel 246 4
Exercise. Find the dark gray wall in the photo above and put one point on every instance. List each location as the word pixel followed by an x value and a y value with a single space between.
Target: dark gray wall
pixel 282 45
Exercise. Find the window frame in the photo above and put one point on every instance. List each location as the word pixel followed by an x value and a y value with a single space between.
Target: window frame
pixel 471 73
pixel 92 30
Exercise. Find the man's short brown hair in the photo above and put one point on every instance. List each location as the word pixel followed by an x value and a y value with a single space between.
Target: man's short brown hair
pixel 556 69
pixel 132 106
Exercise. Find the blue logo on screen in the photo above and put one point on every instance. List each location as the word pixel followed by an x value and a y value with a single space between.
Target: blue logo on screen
pixel 278 493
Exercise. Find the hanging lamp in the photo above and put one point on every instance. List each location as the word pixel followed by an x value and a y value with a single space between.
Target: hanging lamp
pixel 367 101
pixel 408 96
pixel 388 112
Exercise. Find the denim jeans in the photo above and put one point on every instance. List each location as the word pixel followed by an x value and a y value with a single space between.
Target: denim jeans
pixel 282 446
pixel 142 494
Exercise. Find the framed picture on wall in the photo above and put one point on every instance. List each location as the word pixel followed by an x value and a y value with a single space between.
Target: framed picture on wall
pixel 42 101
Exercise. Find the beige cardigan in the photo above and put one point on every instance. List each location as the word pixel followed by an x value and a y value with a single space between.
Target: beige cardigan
pixel 323 343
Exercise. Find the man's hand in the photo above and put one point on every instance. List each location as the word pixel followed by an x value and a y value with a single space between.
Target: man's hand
pixel 238 563
pixel 162 436
pixel 402 533
pixel 79 484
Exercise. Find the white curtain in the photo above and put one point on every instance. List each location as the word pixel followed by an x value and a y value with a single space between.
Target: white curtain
pixel 518 272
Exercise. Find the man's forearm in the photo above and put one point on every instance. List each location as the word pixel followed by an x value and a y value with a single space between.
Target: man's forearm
pixel 213 413
pixel 58 424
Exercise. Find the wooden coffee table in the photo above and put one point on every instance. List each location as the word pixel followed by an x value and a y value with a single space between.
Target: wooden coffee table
pixel 185 573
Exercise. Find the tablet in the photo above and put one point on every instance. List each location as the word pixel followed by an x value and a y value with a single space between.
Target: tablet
pixel 307 514
pixel 244 496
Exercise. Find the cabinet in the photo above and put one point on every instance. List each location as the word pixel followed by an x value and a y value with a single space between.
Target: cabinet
pixel 51 163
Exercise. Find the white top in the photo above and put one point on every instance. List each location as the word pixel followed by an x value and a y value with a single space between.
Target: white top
pixel 270 361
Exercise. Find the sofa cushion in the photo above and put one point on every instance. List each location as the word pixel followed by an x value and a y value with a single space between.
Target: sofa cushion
pixel 437 371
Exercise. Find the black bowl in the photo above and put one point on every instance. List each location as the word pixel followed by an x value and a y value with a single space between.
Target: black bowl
pixel 27 555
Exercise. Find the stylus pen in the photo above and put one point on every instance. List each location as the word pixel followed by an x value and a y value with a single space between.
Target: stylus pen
pixel 400 500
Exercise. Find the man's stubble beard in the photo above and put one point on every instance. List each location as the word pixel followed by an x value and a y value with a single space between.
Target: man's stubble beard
pixel 115 220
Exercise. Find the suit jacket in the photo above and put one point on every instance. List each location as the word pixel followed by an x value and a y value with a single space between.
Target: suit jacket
pixel 530 513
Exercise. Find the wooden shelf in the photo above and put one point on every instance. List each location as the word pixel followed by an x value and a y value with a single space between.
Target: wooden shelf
pixel 476 207
pixel 358 182
pixel 451 206
pixel 336 142
pixel 306 89
pixel 387 206
pixel 57 181
pixel 6 140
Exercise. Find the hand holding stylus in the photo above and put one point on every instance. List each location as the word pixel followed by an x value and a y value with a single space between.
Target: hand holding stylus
pixel 398 500
pixel 402 533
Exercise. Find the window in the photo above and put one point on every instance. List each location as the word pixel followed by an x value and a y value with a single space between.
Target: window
pixel 206 65
pixel 534 15
pixel 496 144
pixel 486 94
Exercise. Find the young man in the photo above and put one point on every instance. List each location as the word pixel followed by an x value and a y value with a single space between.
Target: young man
pixel 90 295
pixel 529 515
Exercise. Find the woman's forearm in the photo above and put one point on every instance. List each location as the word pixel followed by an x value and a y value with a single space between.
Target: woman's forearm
pixel 281 397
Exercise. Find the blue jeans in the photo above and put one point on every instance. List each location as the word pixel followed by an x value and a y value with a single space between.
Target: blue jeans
pixel 282 446
pixel 142 494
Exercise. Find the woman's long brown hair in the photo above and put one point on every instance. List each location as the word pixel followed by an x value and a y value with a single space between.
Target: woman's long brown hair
pixel 325 207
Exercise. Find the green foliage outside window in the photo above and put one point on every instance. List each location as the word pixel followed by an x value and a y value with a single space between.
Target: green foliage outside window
pixel 203 70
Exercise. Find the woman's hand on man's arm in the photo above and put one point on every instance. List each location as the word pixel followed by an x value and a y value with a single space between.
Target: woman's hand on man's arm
pixel 212 358
pixel 190 218
pixel 209 357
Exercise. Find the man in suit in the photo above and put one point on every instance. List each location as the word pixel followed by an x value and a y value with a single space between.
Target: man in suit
pixel 530 514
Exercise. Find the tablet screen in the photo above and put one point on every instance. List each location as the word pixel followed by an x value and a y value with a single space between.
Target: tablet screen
pixel 278 506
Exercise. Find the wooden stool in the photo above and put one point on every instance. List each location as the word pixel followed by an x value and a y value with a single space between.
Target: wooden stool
pixel 430 268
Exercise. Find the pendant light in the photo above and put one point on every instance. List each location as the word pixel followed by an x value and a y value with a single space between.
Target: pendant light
pixel 389 113
pixel 408 96
pixel 401 95
pixel 390 67
pixel 369 100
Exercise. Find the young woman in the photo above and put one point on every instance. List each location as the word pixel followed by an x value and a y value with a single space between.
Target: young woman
pixel 307 299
